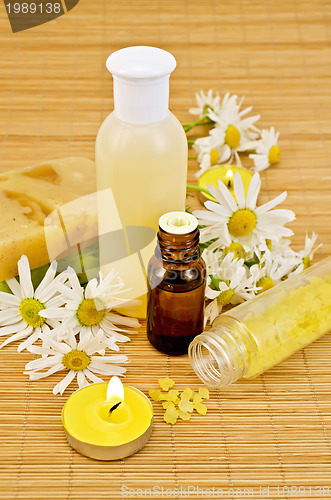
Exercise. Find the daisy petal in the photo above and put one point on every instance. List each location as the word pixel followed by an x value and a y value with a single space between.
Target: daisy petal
pixel 15 287
pixel 253 191
pixel 10 316
pixel 123 320
pixel 25 276
pixel 61 386
pixel 239 190
pixel 228 198
pixel 81 380
pixel 272 203
pixel 29 341
pixel 41 363
pixel 107 369
pixel 92 377
pixel 47 280
pixel 38 375
pixel 17 336
pixel 8 299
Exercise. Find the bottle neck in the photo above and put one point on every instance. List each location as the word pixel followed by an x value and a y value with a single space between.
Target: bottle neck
pixel 179 247
pixel 223 354
pixel 141 101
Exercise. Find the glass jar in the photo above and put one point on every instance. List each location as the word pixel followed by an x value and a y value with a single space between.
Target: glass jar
pixel 176 285
pixel 256 335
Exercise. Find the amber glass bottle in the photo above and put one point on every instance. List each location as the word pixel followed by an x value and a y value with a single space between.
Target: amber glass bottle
pixel 176 285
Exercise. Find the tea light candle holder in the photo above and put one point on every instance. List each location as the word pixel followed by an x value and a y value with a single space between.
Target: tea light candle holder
pixel 107 422
pixel 224 173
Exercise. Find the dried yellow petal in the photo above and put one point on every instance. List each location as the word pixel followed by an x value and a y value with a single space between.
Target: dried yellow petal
pixel 155 395
pixel 197 399
pixel 171 414
pixel 185 405
pixel 171 395
pixel 165 404
pixel 166 383
pixel 186 394
pixel 203 391
pixel 184 415
pixel 164 396
pixel 201 408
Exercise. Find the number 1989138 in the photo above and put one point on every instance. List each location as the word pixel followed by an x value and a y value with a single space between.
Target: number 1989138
pixel 33 8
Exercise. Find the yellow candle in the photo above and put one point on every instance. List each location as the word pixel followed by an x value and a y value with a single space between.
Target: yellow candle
pixel 93 429
pixel 224 173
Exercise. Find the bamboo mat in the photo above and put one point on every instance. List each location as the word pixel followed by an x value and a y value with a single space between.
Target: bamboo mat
pixel 274 431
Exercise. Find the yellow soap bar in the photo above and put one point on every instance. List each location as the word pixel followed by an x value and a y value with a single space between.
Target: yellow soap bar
pixel 32 195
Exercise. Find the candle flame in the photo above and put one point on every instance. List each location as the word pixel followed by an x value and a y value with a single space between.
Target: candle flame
pixel 115 391
pixel 229 174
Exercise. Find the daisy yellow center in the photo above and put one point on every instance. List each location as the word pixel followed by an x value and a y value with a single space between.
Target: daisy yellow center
pixel 90 312
pixel 76 360
pixel 29 310
pixel 242 222
pixel 274 154
pixel 214 157
pixel 232 137
pixel 237 249
pixel 306 261
pixel 265 283
pixel 224 298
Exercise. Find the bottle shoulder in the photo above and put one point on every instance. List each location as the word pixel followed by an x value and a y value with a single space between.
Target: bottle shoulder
pixel 170 122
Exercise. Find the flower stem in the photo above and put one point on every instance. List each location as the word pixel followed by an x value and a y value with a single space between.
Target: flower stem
pixel 198 188
pixel 202 121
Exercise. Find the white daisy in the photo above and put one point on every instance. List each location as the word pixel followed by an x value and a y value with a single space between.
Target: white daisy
pixel 238 133
pixel 307 253
pixel 77 358
pixel 220 266
pixel 228 285
pixel 205 103
pixel 86 311
pixel 271 269
pixel 242 221
pixel 267 151
pixel 305 256
pixel 19 315
pixel 210 150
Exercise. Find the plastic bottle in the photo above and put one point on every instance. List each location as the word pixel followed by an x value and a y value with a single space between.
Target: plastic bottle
pixel 252 337
pixel 176 278
pixel 141 147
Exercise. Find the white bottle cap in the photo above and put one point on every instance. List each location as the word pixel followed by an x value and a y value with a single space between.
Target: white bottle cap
pixel 141 83
pixel 178 222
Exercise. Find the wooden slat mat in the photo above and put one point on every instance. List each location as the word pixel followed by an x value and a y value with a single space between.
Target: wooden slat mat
pixel 274 431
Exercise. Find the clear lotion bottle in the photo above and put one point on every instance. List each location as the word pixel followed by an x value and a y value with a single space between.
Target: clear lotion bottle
pixel 141 155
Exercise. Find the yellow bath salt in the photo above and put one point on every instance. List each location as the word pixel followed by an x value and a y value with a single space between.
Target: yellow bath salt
pixel 292 322
pixel 155 395
pixel 171 414
pixel 171 395
pixel 184 415
pixel 179 405
pixel 204 393
pixel 166 383
pixel 186 394
pixel 201 408
pixel 185 405
pixel 197 399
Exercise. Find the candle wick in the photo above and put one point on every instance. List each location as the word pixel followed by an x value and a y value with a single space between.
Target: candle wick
pixel 114 407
